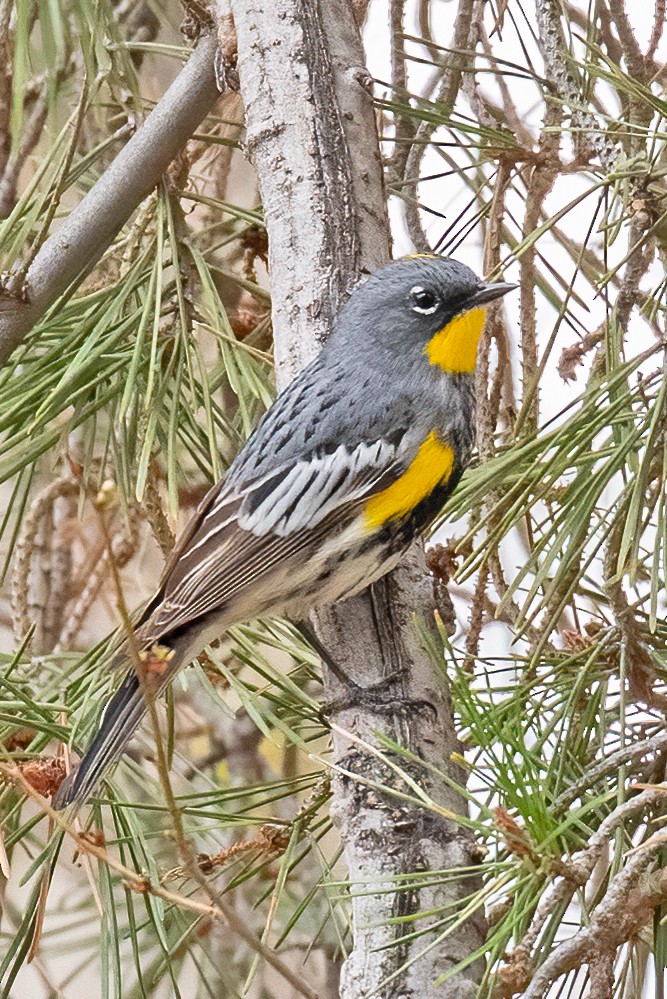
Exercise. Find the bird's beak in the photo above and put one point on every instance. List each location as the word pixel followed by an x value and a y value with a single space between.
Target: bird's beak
pixel 490 292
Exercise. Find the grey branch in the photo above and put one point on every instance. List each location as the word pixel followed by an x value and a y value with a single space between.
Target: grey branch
pixel 563 74
pixel 311 135
pixel 626 904
pixel 79 242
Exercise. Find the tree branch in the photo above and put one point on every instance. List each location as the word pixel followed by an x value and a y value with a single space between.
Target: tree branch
pixel 628 904
pixel 612 922
pixel 452 74
pixel 311 135
pixel 562 72
pixel 81 239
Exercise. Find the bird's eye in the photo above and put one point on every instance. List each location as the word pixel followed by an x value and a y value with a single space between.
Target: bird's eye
pixel 423 301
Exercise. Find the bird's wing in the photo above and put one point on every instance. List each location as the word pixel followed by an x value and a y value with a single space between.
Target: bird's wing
pixel 244 530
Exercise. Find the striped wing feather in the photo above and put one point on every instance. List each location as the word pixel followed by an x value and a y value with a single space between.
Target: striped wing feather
pixel 243 530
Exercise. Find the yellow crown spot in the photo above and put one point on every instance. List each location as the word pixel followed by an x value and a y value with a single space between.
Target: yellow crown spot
pixel 454 348
pixel 431 467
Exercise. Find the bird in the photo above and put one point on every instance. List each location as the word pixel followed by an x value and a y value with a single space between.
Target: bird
pixel 350 464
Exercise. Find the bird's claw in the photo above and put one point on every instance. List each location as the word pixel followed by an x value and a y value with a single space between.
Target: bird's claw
pixel 375 699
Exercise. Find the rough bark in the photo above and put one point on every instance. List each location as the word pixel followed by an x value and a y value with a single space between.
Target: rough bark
pixel 80 240
pixel 324 220
pixel 311 135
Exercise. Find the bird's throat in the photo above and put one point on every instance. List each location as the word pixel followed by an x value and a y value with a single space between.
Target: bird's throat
pixel 454 348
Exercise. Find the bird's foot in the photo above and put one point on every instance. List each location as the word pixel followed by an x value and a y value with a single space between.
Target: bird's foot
pixel 377 699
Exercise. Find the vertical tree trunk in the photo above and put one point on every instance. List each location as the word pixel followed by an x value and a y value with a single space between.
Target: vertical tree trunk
pixel 312 138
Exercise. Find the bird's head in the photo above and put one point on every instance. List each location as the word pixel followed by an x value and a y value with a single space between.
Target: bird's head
pixel 431 303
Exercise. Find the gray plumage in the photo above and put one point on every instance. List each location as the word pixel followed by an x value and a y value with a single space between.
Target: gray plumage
pixel 283 530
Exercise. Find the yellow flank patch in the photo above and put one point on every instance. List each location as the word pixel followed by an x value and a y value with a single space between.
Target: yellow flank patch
pixel 432 466
pixel 454 348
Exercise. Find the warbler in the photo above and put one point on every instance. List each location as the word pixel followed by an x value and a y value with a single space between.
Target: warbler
pixel 352 461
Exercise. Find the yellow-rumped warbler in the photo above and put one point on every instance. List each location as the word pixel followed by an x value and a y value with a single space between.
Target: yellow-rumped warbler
pixel 352 461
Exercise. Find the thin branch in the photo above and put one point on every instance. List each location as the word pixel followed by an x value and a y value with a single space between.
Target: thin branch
pixel 632 754
pixel 452 74
pixel 641 670
pixel 628 904
pixel 79 242
pixel 404 127
pixel 562 72
pixel 659 18
pixel 30 543
pixel 575 875
pixel 635 60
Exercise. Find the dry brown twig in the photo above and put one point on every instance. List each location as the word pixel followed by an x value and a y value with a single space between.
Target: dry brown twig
pixel 156 517
pixel 270 842
pixel 641 670
pixel 489 393
pixel 36 550
pixel 124 547
pixel 543 174
pixel 404 126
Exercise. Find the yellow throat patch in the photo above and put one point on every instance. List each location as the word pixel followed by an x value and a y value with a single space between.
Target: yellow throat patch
pixel 454 348
pixel 431 467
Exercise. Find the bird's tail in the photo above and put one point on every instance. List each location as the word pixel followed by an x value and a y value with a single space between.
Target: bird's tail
pixel 119 723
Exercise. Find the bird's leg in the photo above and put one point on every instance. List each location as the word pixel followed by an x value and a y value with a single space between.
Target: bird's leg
pixel 373 697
